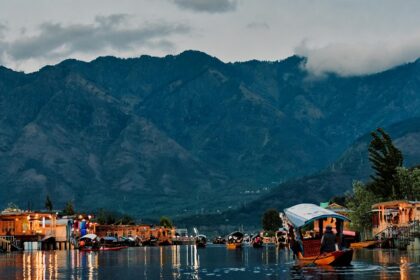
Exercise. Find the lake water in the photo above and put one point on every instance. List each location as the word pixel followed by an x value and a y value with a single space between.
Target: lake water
pixel 213 262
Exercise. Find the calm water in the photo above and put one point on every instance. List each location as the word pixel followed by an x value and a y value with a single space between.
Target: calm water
pixel 213 262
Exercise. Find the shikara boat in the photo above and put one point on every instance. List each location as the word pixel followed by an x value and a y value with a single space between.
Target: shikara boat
pixel 257 241
pixel 201 241
pixel 366 244
pixel 91 243
pixel 235 240
pixel 101 248
pixel 308 251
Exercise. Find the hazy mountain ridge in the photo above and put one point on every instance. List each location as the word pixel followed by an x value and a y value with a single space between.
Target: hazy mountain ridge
pixel 182 133
pixel 336 180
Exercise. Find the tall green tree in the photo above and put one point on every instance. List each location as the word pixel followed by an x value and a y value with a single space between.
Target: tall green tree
pixel 165 222
pixel 69 209
pixel 48 203
pixel 385 159
pixel 271 220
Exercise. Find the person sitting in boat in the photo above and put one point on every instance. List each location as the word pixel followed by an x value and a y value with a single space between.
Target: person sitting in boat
pixel 328 240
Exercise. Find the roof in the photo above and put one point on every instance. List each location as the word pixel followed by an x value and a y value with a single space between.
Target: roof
pixel 394 203
pixel 89 236
pixel 305 213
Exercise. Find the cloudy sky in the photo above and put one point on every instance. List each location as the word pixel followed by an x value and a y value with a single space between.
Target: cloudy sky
pixel 343 36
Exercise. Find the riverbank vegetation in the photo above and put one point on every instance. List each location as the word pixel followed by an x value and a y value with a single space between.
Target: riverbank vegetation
pixel 391 181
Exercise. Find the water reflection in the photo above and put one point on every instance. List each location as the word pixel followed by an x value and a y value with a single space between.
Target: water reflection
pixel 213 262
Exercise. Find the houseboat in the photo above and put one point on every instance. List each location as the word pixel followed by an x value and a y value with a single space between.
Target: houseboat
pixel 396 223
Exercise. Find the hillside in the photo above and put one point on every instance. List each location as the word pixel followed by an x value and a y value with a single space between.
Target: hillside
pixel 183 134
pixel 335 180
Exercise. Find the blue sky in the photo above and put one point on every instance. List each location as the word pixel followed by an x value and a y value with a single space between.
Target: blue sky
pixel 342 36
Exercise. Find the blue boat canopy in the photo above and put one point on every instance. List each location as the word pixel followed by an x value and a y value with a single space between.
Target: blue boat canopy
pixel 305 213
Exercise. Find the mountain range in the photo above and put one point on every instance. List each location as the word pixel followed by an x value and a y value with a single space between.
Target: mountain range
pixel 188 134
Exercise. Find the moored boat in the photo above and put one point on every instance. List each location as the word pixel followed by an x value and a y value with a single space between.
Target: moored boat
pixel 219 240
pixel 257 241
pixel 235 240
pixel 201 241
pixel 366 244
pixel 312 250
pixel 101 248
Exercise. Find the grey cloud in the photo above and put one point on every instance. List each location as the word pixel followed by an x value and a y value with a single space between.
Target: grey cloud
pixel 209 6
pixel 352 59
pixel 258 25
pixel 3 28
pixel 107 32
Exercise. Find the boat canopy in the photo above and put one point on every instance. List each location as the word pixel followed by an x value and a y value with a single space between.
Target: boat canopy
pixel 110 238
pixel 89 236
pixel 237 235
pixel 305 213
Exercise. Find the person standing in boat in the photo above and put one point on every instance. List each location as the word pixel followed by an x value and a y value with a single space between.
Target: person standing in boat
pixel 328 240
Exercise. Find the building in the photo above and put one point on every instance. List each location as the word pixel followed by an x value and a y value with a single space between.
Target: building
pixel 394 214
pixel 27 225
pixel 142 232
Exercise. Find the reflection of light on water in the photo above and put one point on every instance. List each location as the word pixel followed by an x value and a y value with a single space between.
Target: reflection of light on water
pixel 192 260
pixel 39 265
pixel 176 264
pixel 404 268
pixel 161 262
pixel 92 264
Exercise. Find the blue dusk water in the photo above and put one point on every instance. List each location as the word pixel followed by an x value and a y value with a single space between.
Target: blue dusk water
pixel 213 262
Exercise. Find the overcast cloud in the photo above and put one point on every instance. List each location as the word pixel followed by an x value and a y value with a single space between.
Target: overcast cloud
pixel 106 33
pixel 355 59
pixel 209 6
pixel 348 37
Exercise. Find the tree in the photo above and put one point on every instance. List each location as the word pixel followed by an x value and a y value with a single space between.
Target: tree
pixel 385 159
pixel 409 182
pixel 271 220
pixel 360 203
pixel 69 209
pixel 48 203
pixel 340 200
pixel 165 222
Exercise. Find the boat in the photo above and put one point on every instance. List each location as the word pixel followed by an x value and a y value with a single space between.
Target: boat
pixel 308 250
pixel 366 244
pixel 234 240
pixel 152 241
pixel 91 243
pixel 219 240
pixel 282 238
pixel 101 248
pixel 257 241
pixel 201 241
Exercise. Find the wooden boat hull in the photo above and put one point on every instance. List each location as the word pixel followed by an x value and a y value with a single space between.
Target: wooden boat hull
pixel 200 245
pixel 89 249
pixel 365 244
pixel 337 258
pixel 233 245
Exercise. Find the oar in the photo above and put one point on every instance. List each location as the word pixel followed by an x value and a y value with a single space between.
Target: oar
pixel 313 262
